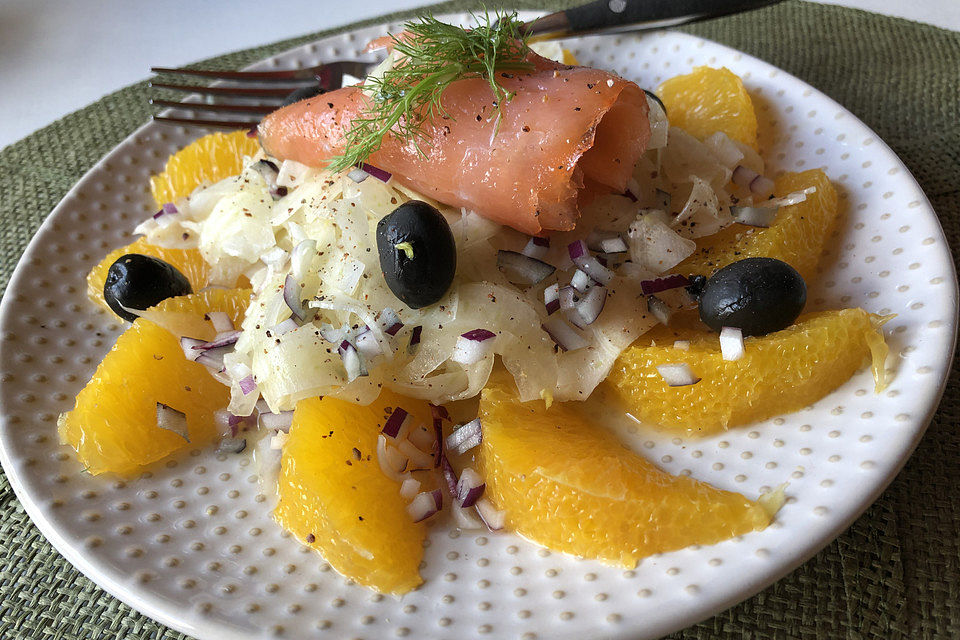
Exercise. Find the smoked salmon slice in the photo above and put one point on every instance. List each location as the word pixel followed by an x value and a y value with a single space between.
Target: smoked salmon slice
pixel 563 127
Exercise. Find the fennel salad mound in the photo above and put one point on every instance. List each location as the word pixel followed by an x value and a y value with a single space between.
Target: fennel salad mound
pixel 406 294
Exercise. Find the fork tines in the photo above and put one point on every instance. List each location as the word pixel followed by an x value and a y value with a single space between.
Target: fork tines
pixel 239 94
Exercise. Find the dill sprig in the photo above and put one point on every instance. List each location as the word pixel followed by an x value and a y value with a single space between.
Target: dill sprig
pixel 432 55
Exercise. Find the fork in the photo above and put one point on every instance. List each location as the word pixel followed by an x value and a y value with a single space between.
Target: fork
pixel 273 89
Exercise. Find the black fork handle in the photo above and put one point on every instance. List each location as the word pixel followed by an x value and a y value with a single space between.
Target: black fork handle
pixel 636 15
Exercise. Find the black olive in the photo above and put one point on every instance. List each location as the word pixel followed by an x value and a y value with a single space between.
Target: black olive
pixel 756 295
pixel 137 281
pixel 418 255
pixel 302 94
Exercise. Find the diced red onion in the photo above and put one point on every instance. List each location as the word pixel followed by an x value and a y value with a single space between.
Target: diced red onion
pixel 191 347
pixel 465 437
pixel 762 186
pixel 439 412
pixel 414 338
pixel 450 476
pixel 469 488
pixel 612 260
pixel 358 175
pixel 563 334
pixel 754 216
pixel 614 245
pixel 291 295
pixel 284 327
pixel 225 339
pixel 220 320
pixel 491 516
pixel 466 519
pixel 665 283
pixel 479 335
pixel 425 505
pixel 568 297
pixel 551 298
pixel 367 344
pixel 663 200
pixel 587 263
pixel 577 250
pixel 389 321
pixel 351 361
pixel 376 172
pixel 247 385
pixel 332 334
pixel 590 306
pixel 677 374
pixel 232 445
pixel 212 359
pixel 468 351
pixel 743 176
pixel 536 248
pixel 409 487
pixel 392 462
pixel 580 281
pixel 172 420
pixel 277 421
pixel 595 239
pixel 391 428
pixel 522 269
pixel 731 343
pixel 659 309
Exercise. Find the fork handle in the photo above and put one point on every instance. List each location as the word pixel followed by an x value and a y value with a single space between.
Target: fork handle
pixel 613 16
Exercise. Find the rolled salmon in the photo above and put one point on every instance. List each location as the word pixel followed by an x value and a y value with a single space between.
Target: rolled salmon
pixel 564 126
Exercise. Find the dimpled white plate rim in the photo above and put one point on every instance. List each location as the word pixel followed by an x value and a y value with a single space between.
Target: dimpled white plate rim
pixel 191 543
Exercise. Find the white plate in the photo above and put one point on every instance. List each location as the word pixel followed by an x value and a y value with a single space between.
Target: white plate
pixel 191 546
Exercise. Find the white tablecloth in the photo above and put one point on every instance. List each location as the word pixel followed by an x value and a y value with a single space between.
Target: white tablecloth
pixel 59 55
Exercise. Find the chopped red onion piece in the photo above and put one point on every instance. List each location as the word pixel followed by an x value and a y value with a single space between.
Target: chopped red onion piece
pixel 284 327
pixel 247 385
pixel 659 309
pixel 226 339
pixel 479 335
pixel 409 487
pixel 414 338
pixel 469 488
pixel 590 306
pixel 376 172
pixel 551 298
pixel 391 428
pixel 169 207
pixel 191 347
pixel 232 445
pixel 743 176
pixel 465 437
pixel 392 462
pixel 731 343
pixel 677 374
pixel 389 321
pixel 537 248
pixel 220 320
pixel 212 359
pixel 439 412
pixel 425 505
pixel 596 237
pixel 450 476
pixel 754 216
pixel 580 281
pixel 563 334
pixel 568 297
pixel 762 186
pixel 367 344
pixel 351 361
pixel 592 267
pixel 613 245
pixel 358 175
pixel 522 269
pixel 291 295
pixel 577 250
pixel 278 421
pixel 491 516
pixel 172 420
pixel 657 285
pixel 469 351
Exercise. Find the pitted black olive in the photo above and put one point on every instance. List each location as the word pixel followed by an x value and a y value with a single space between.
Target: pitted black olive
pixel 137 281
pixel 418 255
pixel 756 295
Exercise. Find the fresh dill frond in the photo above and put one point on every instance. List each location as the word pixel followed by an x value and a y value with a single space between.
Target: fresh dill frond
pixel 431 55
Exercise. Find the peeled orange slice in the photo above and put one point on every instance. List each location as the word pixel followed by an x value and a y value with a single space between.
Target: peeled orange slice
pixel 208 159
pixel 572 486
pixel 113 425
pixel 710 100
pixel 335 498
pixel 797 235
pixel 779 373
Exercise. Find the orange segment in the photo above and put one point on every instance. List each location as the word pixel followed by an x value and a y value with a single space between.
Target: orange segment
pixel 779 373
pixel 796 236
pixel 188 261
pixel 571 486
pixel 710 100
pixel 113 425
pixel 340 503
pixel 209 159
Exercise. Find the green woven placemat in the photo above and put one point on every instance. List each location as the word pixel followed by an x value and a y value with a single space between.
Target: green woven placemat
pixel 894 574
